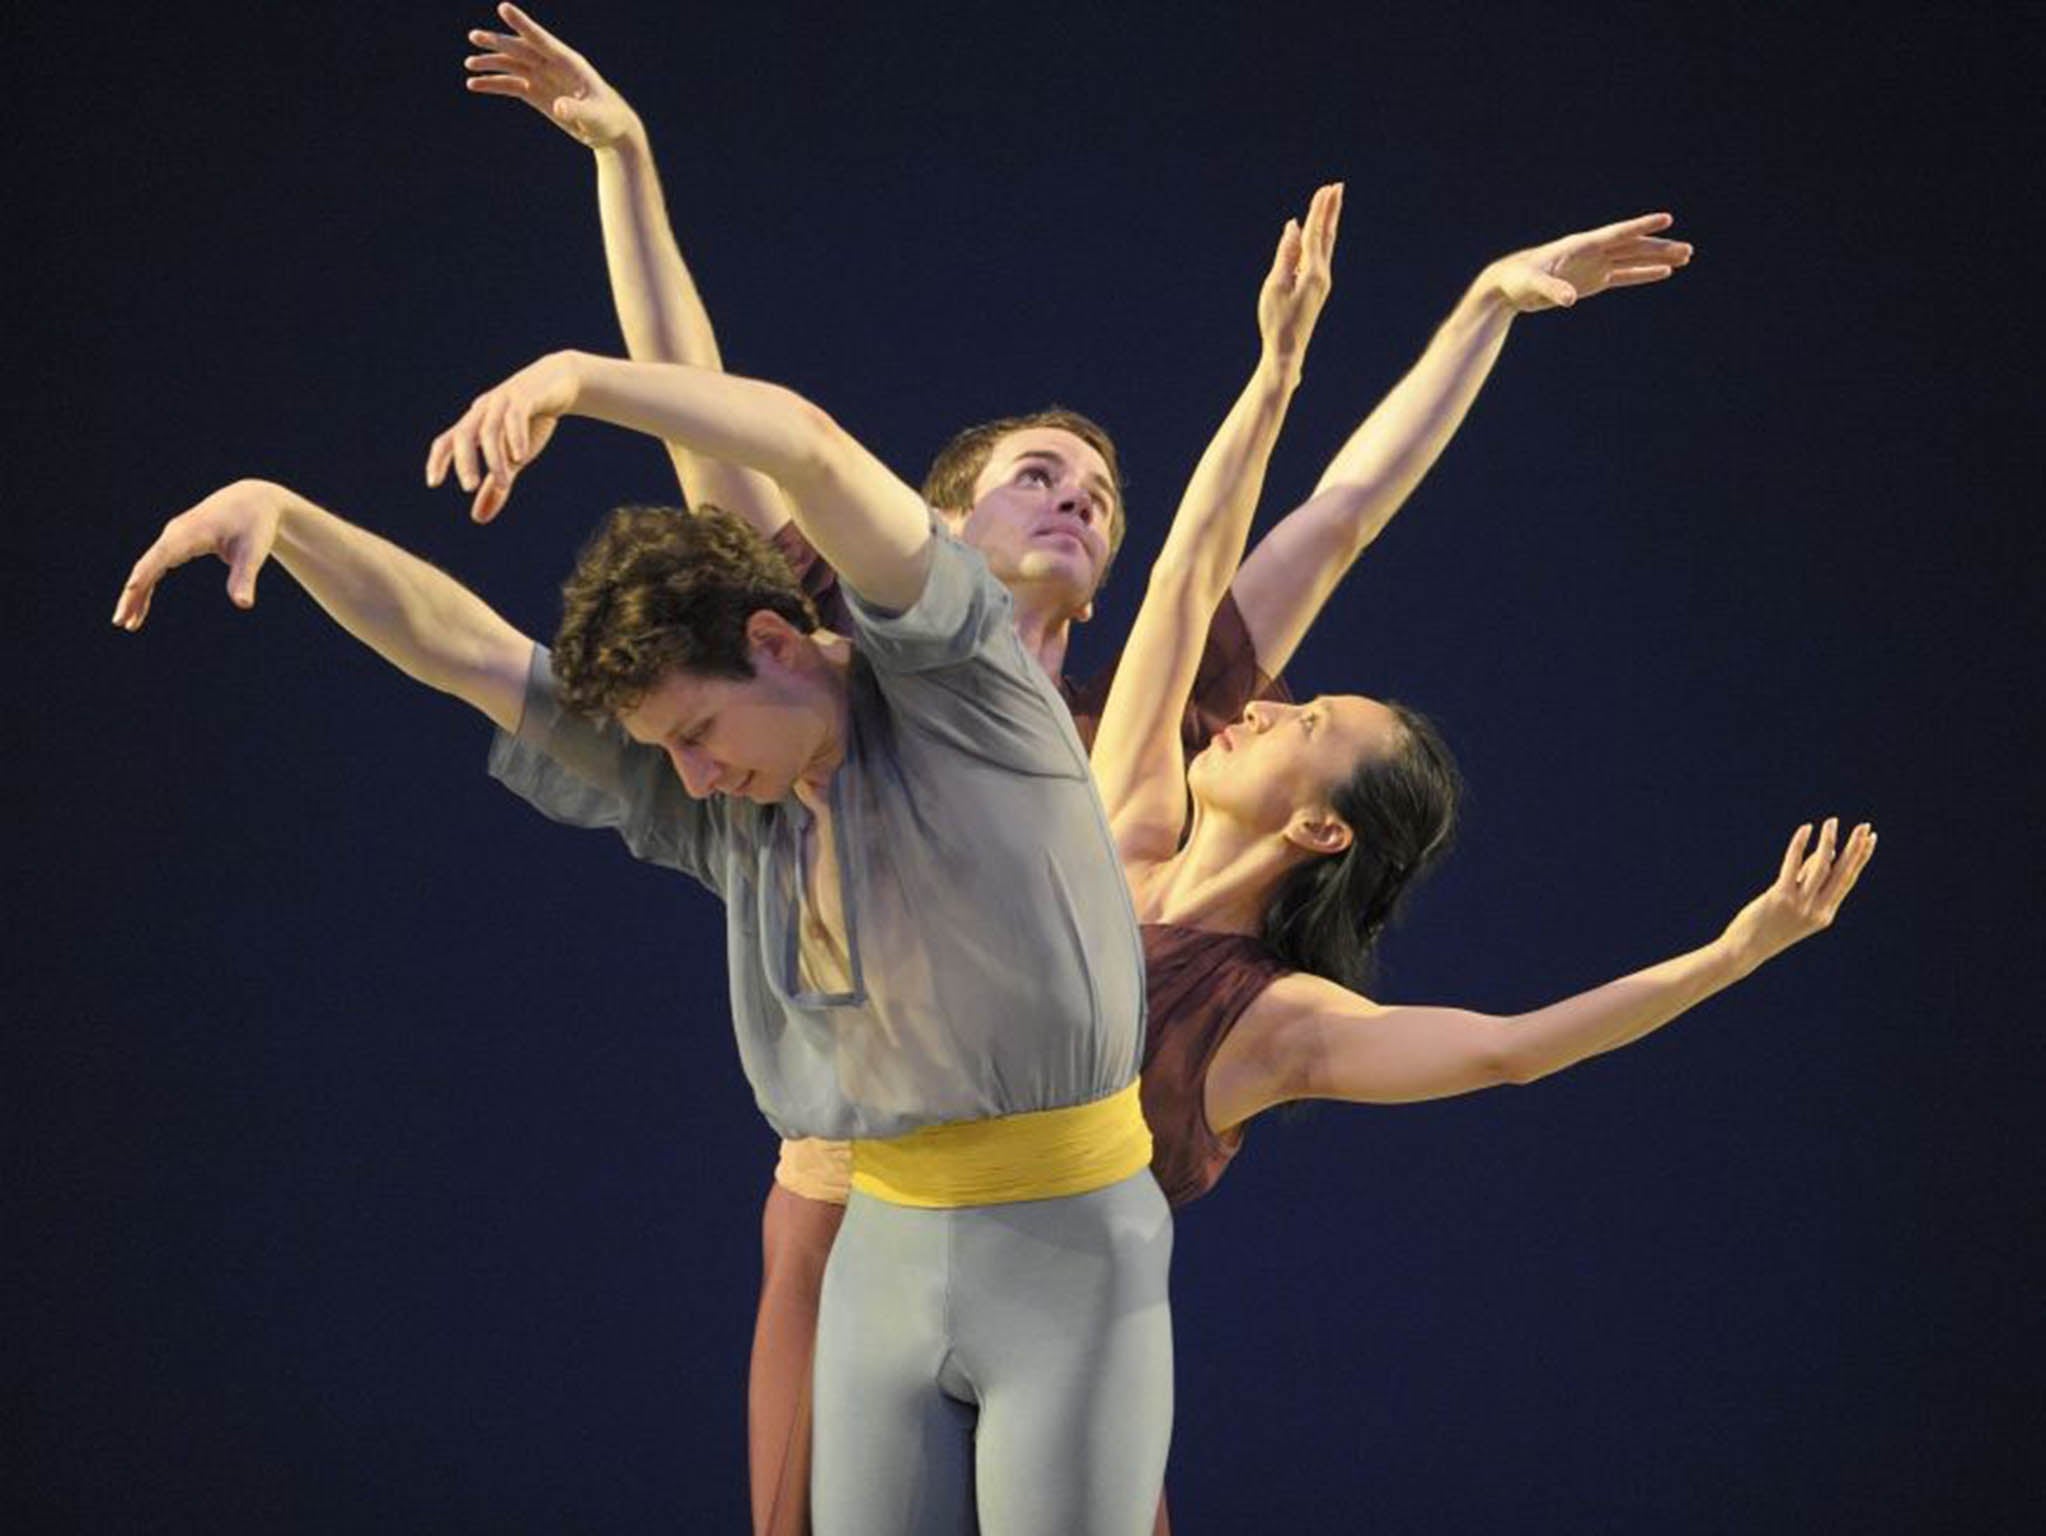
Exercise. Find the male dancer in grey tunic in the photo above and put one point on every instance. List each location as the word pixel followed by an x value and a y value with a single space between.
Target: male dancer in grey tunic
pixel 988 969
pixel 927 925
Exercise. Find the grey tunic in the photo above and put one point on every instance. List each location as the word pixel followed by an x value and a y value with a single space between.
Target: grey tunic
pixel 995 960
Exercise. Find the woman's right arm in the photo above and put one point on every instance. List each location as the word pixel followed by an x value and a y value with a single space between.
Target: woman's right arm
pixel 659 309
pixel 418 618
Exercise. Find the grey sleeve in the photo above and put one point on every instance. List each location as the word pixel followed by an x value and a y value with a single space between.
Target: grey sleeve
pixel 589 775
pixel 952 666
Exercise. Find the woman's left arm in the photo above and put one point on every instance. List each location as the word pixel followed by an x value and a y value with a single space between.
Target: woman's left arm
pixel 1323 1042
pixel 1136 758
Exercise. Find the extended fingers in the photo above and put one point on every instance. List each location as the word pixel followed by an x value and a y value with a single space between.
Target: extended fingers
pixel 438 455
pixel 1793 856
pixel 490 435
pixel 518 435
pixel 501 85
pixel 466 459
pixel 499 42
pixel 1651 248
pixel 1813 871
pixel 244 560
pixel 499 64
pixel 132 606
pixel 456 447
pixel 1324 213
pixel 1854 857
pixel 490 498
pixel 1640 224
pixel 1286 259
pixel 530 30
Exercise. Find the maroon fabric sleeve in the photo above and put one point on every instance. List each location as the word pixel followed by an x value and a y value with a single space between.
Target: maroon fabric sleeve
pixel 1228 678
pixel 819 581
pixel 1197 985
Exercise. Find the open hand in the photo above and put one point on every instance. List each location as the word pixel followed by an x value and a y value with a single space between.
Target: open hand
pixel 1807 894
pixel 503 431
pixel 1298 284
pixel 1577 266
pixel 538 68
pixel 237 523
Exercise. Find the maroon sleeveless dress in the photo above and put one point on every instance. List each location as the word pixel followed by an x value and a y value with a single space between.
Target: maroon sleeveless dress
pixel 1198 984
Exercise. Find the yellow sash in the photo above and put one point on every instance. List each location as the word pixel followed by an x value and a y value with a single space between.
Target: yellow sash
pixel 1037 1156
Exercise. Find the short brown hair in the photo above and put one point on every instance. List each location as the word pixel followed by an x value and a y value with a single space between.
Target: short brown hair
pixel 657 589
pixel 948 486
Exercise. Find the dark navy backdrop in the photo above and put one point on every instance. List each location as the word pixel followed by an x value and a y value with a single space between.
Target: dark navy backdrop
pixel 379 1152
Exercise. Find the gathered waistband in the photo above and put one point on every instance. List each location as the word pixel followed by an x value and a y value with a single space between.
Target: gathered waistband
pixel 1042 1155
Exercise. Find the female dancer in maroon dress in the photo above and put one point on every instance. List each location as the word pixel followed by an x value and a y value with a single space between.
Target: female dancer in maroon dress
pixel 1262 907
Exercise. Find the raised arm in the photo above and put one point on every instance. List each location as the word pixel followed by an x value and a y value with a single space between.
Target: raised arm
pixel 660 313
pixel 1314 1040
pixel 1289 576
pixel 421 620
pixel 1136 758
pixel 871 527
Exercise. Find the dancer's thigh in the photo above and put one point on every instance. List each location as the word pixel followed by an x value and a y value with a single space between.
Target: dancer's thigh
pixel 795 1241
pixel 1068 1335
pixel 892 1452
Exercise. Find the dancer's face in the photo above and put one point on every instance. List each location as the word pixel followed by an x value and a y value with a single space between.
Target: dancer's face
pixel 1043 510
pixel 748 736
pixel 1282 762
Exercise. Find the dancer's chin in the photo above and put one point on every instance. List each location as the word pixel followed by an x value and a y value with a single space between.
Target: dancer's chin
pixel 1059 568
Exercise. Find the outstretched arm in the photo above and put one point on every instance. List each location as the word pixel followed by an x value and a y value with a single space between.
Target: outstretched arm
pixel 1136 757
pixel 659 310
pixel 1318 1041
pixel 419 619
pixel 871 527
pixel 1289 576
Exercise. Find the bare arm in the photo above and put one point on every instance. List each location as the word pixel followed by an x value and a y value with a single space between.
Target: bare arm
pixel 418 618
pixel 1289 576
pixel 865 522
pixel 660 312
pixel 1316 1040
pixel 1136 757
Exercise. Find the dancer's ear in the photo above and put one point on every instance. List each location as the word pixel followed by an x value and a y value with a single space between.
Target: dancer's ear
pixel 1319 831
pixel 771 637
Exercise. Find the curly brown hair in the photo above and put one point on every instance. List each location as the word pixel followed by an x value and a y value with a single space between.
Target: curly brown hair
pixel 656 589
pixel 948 485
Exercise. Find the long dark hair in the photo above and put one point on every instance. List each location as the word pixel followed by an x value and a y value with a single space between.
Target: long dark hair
pixel 1326 915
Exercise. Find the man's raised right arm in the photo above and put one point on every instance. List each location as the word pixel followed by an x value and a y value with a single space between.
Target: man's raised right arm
pixel 418 618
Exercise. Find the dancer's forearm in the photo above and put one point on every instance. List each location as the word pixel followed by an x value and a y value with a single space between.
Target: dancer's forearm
pixel 1136 758
pixel 419 619
pixel 1341 1046
pixel 870 526
pixel 1205 542
pixel 663 318
pixel 414 615
pixel 1332 1043
pixel 1289 576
